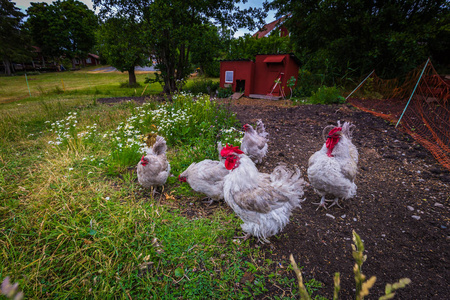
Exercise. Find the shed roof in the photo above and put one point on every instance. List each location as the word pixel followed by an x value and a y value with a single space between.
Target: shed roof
pixel 274 59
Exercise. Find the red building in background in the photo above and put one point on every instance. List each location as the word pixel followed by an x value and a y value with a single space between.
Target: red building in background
pixel 258 79
pixel 268 28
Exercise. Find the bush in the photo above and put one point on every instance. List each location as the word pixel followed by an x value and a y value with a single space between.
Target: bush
pixel 224 92
pixel 203 86
pixel 327 95
pixel 307 83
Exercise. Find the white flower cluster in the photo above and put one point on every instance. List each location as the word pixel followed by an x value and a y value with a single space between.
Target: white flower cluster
pixel 232 136
pixel 125 136
pixel 64 129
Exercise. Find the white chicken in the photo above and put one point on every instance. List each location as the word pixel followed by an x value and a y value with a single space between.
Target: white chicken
pixel 206 177
pixel 154 168
pixel 332 169
pixel 263 201
pixel 254 142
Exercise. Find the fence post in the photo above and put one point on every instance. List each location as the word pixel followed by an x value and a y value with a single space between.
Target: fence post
pixel 26 79
pixel 412 94
pixel 359 85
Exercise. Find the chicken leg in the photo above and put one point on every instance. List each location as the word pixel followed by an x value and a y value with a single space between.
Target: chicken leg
pixel 335 202
pixel 321 203
pixel 208 201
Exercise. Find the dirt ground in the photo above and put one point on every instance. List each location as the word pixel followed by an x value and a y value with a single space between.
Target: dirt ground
pixel 401 210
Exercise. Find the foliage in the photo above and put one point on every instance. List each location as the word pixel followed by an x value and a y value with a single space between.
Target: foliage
pixel 121 44
pixel 333 37
pixel 206 48
pixel 202 86
pixel 62 28
pixel 13 40
pixel 224 92
pixel 173 26
pixel 307 84
pixel 247 47
pixel 362 285
pixel 327 95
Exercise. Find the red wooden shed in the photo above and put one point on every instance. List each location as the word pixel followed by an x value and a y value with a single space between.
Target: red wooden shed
pixel 256 79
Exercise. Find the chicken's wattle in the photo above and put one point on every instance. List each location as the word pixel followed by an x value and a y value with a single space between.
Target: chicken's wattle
pixel 143 161
pixel 232 162
pixel 332 140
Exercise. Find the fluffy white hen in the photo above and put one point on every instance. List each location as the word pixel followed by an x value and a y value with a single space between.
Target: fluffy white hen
pixel 207 177
pixel 154 168
pixel 254 142
pixel 332 169
pixel 263 201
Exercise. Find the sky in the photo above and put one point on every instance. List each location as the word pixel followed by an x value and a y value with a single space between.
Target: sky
pixel 23 5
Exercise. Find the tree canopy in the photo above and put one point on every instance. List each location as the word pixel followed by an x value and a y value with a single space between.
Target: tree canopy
pixel 13 41
pixel 122 44
pixel 172 26
pixel 62 28
pixel 390 36
pixel 247 47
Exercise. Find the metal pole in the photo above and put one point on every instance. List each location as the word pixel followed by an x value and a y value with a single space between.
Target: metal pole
pixel 26 79
pixel 412 94
pixel 359 85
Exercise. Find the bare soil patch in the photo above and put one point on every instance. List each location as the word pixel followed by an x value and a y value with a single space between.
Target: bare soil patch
pixel 398 181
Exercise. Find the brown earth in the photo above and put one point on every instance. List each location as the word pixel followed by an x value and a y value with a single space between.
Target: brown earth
pixel 401 210
pixel 398 180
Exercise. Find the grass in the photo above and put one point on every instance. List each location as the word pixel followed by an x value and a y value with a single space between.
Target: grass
pixel 71 228
pixel 86 82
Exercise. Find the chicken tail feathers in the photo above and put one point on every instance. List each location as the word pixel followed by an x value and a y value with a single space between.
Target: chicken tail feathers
pixel 160 146
pixel 261 129
pixel 289 183
pixel 347 130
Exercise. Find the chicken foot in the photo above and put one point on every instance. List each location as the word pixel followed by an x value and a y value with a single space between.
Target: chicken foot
pixel 335 202
pixel 244 237
pixel 208 201
pixel 322 203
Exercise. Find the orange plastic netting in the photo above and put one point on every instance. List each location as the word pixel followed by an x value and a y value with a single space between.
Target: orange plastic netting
pixel 427 116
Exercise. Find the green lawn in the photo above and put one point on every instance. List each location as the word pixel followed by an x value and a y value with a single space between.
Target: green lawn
pixel 82 82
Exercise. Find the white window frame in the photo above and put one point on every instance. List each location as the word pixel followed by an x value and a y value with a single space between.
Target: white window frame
pixel 227 74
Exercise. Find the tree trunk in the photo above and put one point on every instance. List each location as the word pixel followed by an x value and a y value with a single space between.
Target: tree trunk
pixel 131 77
pixel 7 66
pixel 73 63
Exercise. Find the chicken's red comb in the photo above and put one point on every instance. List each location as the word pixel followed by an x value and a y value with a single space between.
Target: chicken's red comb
pixel 334 130
pixel 228 149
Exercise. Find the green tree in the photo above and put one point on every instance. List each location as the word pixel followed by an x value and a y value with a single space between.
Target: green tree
pixel 171 26
pixel 122 44
pixel 206 46
pixel 62 28
pixel 334 36
pixel 13 41
pixel 246 47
